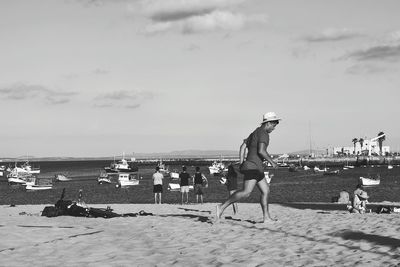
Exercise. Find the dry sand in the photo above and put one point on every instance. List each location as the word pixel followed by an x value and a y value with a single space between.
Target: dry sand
pixel 186 236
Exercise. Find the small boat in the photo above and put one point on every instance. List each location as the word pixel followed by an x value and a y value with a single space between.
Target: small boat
pixel 18 178
pixel 122 166
pixel 174 175
pixel 28 168
pixel 370 181
pixel 103 178
pixel 306 168
pixel 162 167
pixel 316 169
pixel 217 168
pixel 61 178
pixel 331 172
pixel 177 187
pixel 39 184
pixel 127 179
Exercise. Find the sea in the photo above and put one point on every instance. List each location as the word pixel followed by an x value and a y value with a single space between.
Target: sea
pixel 286 186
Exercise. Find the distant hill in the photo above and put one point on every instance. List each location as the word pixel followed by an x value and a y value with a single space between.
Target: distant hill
pixel 164 155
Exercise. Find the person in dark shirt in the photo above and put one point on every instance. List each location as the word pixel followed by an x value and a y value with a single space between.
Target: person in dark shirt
pixel 252 168
pixel 184 184
pixel 199 180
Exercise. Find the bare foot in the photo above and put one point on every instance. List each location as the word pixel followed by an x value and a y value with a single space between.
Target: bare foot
pixel 269 219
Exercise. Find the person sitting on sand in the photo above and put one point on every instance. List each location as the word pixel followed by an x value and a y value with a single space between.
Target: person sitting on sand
pixel 184 184
pixel 359 203
pixel 253 168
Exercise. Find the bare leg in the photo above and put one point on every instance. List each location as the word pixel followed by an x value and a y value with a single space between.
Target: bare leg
pixel 234 205
pixel 248 187
pixel 182 197
pixel 264 189
pixel 159 198
pixel 197 198
pixel 155 198
pixel 187 197
pixel 201 198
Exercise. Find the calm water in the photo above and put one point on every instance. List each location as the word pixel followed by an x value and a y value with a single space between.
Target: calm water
pixel 301 186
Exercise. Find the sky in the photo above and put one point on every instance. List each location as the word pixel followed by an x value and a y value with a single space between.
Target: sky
pixel 102 78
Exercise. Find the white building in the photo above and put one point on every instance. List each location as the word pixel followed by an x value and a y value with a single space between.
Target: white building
pixel 349 150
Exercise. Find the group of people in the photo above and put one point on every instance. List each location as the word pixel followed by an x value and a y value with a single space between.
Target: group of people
pixel 199 183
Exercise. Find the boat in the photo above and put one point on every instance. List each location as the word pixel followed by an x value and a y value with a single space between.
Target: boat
pixel 122 166
pixel 38 184
pixel 127 179
pixel 61 177
pixel 331 172
pixel 316 169
pixel 217 168
pixel 103 178
pixel 177 187
pixel 28 168
pixel 370 181
pixel 174 175
pixel 18 178
pixel 162 167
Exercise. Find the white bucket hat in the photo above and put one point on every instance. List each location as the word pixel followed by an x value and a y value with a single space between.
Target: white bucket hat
pixel 270 116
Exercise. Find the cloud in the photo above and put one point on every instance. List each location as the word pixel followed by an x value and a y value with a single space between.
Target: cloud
pixel 389 53
pixel 196 16
pixel 123 98
pixel 365 69
pixel 22 91
pixel 332 34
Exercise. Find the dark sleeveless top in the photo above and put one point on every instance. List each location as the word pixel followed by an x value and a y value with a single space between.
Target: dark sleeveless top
pixel 198 178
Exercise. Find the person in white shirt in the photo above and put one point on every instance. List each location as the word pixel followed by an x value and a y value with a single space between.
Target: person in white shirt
pixel 157 185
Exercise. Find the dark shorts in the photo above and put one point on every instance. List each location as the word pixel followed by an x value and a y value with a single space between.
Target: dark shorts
pixel 253 175
pixel 157 188
pixel 198 189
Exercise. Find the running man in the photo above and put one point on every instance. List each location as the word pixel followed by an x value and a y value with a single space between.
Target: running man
pixel 252 168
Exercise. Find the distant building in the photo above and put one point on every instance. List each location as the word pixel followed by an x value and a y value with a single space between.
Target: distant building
pixel 349 150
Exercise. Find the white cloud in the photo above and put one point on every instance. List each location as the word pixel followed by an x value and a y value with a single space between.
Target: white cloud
pixel 196 16
pixel 332 34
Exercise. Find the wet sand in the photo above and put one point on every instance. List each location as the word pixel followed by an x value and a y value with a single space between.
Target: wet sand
pixel 188 236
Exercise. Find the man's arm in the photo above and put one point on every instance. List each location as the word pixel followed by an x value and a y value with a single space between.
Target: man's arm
pixel 262 150
pixel 242 151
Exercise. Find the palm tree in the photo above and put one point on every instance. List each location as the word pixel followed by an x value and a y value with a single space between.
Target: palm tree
pixel 355 140
pixel 380 140
pixel 361 141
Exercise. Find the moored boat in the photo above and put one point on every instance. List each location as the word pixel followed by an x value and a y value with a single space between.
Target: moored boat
pixel 127 179
pixel 122 166
pixel 369 181
pixel 217 168
pixel 103 178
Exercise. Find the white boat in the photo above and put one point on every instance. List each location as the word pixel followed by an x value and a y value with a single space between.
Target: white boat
pixel 177 187
pixel 217 168
pixel 18 178
pixel 162 167
pixel 306 168
pixel 316 169
pixel 122 166
pixel 28 168
pixel 127 179
pixel 62 178
pixel 370 181
pixel 174 175
pixel 32 187
pixel 104 178
pixel 38 184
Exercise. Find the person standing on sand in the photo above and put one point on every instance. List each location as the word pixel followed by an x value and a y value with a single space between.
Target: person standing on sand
pixel 157 185
pixel 231 185
pixel 198 180
pixel 253 169
pixel 184 184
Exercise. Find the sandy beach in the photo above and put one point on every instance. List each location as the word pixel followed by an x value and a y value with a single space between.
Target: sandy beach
pixel 188 236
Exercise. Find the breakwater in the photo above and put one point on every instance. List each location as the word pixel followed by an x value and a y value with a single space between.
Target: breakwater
pixel 342 161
